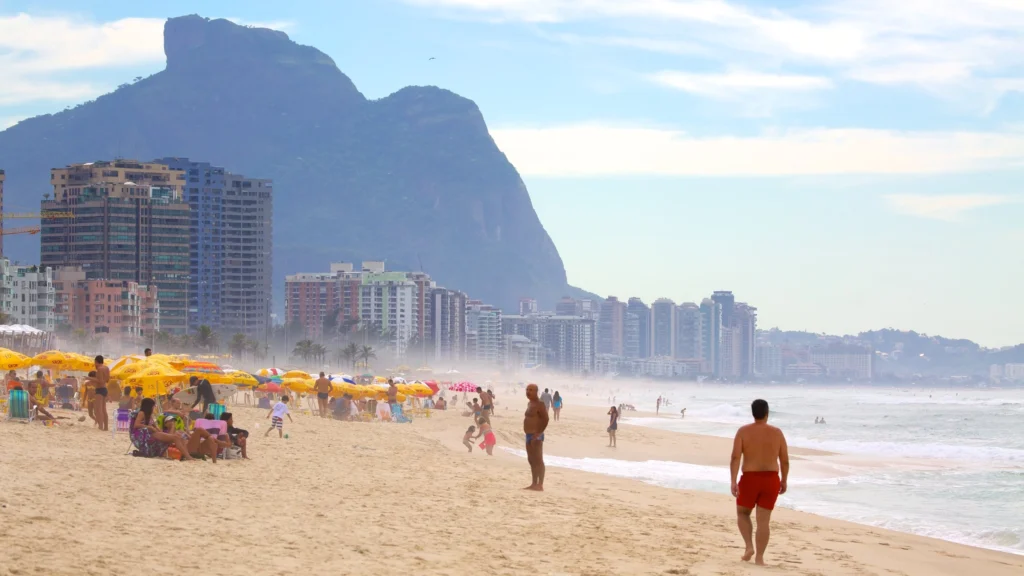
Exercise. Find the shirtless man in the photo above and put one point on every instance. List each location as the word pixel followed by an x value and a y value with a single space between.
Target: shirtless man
pixel 323 392
pixel 486 403
pixel 99 408
pixel 764 453
pixel 534 424
pixel 392 393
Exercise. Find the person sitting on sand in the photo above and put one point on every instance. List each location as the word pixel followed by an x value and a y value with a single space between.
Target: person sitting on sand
pixel 237 435
pixel 440 404
pixel 33 399
pixel 487 433
pixel 468 437
pixel 150 441
pixel 42 392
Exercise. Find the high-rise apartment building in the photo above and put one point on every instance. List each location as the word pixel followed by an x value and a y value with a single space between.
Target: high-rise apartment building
pixel 768 360
pixel 124 313
pixel 316 300
pixel 642 312
pixel 568 307
pixel 711 334
pixel 230 287
pixel 726 300
pixel 689 345
pixel 130 223
pixel 568 342
pixel 28 295
pixel 446 325
pixel 485 340
pixel 631 336
pixel 611 327
pixel 663 328
pixel 744 322
pixel 845 361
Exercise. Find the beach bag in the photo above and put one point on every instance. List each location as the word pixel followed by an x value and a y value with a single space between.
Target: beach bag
pixel 232 453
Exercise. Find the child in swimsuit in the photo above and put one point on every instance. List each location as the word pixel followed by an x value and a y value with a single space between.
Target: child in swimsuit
pixel 126 402
pixel 469 436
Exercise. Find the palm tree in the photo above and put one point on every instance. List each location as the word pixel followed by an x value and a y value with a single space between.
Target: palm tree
pixel 319 352
pixel 206 338
pixel 237 346
pixel 253 347
pixel 303 349
pixel 349 354
pixel 366 353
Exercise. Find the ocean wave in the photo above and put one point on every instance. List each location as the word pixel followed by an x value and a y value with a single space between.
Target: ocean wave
pixel 988 454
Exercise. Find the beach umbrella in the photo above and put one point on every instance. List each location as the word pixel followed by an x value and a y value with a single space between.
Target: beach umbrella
pixel 156 379
pixel 432 384
pixel 201 368
pixel 126 371
pixel 399 380
pixel 298 384
pixel 426 369
pixel 296 374
pixel 175 361
pixel 239 378
pixel 11 360
pixel 269 372
pixel 80 362
pixel 126 360
pixel 269 387
pixel 52 359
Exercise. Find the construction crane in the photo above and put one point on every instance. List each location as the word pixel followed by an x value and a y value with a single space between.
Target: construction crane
pixel 22 230
pixel 42 215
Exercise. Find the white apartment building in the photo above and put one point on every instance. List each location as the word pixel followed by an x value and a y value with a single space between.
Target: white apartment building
pixel 485 342
pixel 28 295
pixel 388 301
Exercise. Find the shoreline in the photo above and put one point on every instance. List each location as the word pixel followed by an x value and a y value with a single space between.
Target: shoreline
pixel 351 497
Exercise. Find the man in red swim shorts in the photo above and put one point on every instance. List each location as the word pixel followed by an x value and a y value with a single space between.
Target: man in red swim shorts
pixel 763 451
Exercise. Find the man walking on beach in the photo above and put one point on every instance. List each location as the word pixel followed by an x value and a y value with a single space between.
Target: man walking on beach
pixel 534 424
pixel 546 399
pixel 323 392
pixel 763 451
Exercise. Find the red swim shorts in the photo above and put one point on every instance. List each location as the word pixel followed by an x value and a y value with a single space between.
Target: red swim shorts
pixel 759 489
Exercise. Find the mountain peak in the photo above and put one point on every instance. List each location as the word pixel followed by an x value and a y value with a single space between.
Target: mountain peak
pixel 196 41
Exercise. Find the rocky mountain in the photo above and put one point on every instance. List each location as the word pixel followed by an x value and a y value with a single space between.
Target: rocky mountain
pixel 413 178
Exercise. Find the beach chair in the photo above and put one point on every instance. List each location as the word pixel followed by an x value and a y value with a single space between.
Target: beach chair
pixel 398 416
pixel 122 421
pixel 216 410
pixel 18 406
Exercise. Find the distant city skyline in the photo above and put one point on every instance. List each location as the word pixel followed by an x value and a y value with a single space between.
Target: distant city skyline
pixel 843 166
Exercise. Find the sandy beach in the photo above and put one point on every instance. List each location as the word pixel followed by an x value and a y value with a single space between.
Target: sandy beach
pixel 361 498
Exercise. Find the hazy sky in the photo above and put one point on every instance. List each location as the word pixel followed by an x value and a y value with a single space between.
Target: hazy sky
pixel 842 165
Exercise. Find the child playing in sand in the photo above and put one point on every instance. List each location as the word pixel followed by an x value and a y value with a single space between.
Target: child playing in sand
pixel 488 434
pixel 467 437
pixel 279 411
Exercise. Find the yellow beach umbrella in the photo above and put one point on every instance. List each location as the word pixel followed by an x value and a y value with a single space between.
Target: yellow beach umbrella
pixel 239 378
pixel 156 379
pixel 53 359
pixel 80 362
pixel 11 360
pixel 297 374
pixel 298 384
pixel 128 370
pixel 125 360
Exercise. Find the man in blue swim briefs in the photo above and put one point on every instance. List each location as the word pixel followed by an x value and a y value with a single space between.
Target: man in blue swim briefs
pixel 534 424
pixel 323 393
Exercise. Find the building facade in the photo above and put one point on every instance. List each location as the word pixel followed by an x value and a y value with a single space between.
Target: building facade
pixel 663 328
pixel 121 312
pixel 569 342
pixel 485 340
pixel 2 176
pixel 642 312
pixel 711 334
pixel 130 224
pixel 768 361
pixel 689 345
pixel 231 265
pixel 28 295
pixel 446 325
pixel 844 361
pixel 611 327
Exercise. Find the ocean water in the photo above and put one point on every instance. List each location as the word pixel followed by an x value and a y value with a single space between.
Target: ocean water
pixel 942 463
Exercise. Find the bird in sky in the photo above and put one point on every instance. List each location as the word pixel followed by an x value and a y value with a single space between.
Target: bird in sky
pixel 431 58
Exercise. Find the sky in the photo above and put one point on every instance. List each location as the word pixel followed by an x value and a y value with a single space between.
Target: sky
pixel 842 165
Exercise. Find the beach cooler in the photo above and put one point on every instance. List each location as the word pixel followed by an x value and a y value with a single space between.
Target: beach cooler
pixel 215 427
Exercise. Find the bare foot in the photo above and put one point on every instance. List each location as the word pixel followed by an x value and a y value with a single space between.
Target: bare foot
pixel 759 561
pixel 748 554
pixel 536 488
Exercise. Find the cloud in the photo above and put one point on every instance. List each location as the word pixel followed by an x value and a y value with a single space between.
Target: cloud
pixel 949 207
pixel 593 150
pixel 737 84
pixel 959 49
pixel 34 50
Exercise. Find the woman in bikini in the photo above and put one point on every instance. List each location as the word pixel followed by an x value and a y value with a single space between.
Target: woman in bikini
pixel 488 434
